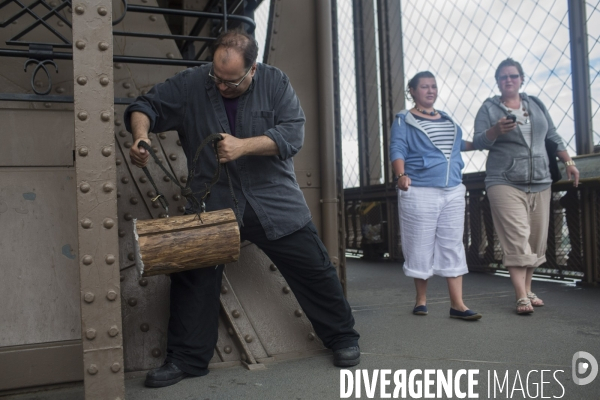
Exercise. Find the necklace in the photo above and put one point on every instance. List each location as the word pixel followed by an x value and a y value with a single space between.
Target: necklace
pixel 522 106
pixel 432 113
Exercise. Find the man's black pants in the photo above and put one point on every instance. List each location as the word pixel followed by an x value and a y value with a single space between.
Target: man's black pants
pixel 303 261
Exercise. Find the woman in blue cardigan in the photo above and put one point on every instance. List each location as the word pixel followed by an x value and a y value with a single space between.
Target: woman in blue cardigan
pixel 425 152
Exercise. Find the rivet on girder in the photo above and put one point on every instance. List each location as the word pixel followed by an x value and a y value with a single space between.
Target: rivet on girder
pixel 103 46
pixel 166 179
pixel 227 349
pixel 125 179
pixel 47 105
pixel 130 257
pixel 173 157
pixel 162 135
pixel 118 122
pixel 308 174
pixel 105 116
pixel 106 151
pixel 181 209
pixel 123 133
pixel 128 217
pixel 224 289
pixel 286 289
pixel 118 65
pixel 87 260
pixel 104 81
pixel 83 151
pixel 111 295
pixel 309 183
pixel 92 369
pixel 162 215
pixel 82 115
pixel 134 200
pixel 110 259
pixel 89 297
pixel 126 85
pixel 235 314
pixel 183 179
pixel 90 334
pixel 118 195
pixel 131 95
pixel 170 55
pixel 244 357
pixel 60 23
pixel 113 331
pixel 248 339
pixel 178 142
pixel 102 11
pixel 132 302
pixel 60 90
pixel 53 4
pixel 80 44
pixel 298 313
pixel 156 353
pixel 230 331
pixel 121 278
pixel 143 282
pixel 272 267
pixel 127 144
pixel 108 187
pixel 121 232
pixel 116 367
pixel 85 187
pixel 79 10
pixel 144 327
pixel 143 179
pixel 86 223
pixel 152 18
pixel 176 197
pixel 118 161
pixel 155 205
pixel 108 223
pixel 82 80
pixel 311 336
pixel 151 194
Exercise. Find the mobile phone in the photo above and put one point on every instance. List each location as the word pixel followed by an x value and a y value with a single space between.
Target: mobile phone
pixel 511 117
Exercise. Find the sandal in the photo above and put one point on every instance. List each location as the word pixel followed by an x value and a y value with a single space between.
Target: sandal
pixel 524 306
pixel 535 301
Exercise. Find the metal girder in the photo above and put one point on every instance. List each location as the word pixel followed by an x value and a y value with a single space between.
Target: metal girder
pixel 580 66
pixel 97 200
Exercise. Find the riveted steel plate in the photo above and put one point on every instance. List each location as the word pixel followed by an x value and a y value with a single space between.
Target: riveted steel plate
pixel 36 138
pixel 268 305
pixel 39 274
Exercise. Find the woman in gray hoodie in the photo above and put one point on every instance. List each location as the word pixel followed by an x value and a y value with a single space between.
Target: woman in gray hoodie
pixel 514 127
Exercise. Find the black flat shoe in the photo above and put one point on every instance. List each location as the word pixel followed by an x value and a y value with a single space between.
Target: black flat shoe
pixel 346 357
pixel 166 375
pixel 467 315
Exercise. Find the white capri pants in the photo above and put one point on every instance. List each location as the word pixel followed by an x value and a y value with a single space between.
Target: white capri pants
pixel 431 229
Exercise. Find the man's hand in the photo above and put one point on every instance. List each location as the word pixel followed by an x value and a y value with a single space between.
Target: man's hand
pixel 138 155
pixel 230 148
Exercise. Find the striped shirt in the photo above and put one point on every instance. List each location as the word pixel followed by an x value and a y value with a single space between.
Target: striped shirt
pixel 440 131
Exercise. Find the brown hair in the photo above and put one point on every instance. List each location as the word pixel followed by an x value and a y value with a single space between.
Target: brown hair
pixel 509 62
pixel 240 41
pixel 414 82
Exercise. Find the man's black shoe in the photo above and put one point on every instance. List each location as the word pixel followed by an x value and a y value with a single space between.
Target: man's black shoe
pixel 346 357
pixel 166 375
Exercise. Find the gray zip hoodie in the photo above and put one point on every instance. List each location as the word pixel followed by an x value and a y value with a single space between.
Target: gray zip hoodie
pixel 510 160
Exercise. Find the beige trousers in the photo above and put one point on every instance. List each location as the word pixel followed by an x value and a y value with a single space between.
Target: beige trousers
pixel 521 222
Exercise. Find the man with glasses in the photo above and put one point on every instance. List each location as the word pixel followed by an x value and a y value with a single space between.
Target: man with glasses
pixel 257 112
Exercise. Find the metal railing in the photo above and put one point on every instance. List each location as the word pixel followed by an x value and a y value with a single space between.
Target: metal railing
pixel 40 13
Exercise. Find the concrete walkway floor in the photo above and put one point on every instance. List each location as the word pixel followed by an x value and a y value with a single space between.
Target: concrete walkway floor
pixel 509 356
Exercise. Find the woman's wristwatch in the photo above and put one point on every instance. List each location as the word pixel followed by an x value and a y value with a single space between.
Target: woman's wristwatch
pixel 569 163
pixel 400 176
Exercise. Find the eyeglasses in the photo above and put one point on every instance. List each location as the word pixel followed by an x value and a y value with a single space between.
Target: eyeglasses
pixel 512 77
pixel 229 84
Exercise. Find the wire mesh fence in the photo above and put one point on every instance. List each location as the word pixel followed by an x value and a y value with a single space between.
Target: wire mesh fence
pixel 462 43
